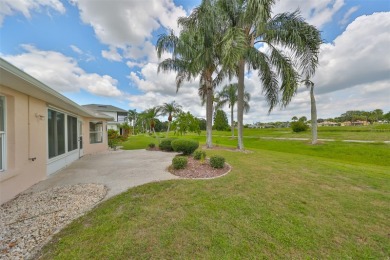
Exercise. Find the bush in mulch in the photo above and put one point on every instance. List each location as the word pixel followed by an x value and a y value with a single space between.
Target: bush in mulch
pixel 166 145
pixel 179 162
pixel 217 161
pixel 184 146
pixel 198 155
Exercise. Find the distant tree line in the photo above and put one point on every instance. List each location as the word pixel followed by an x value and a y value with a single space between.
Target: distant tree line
pixel 372 117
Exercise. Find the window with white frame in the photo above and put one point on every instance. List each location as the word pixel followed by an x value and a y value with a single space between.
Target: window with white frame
pixel 2 134
pixel 96 132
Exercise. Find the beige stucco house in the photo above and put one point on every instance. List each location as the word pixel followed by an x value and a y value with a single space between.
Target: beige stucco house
pixel 41 131
pixel 118 115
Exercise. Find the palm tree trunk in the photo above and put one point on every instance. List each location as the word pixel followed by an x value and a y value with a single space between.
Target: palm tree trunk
pixel 240 104
pixel 169 125
pixel 209 114
pixel 231 119
pixel 313 116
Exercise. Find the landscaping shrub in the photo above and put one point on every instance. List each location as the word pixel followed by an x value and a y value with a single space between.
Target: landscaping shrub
pixel 199 154
pixel 179 162
pixel 165 144
pixel 122 138
pixel 151 145
pixel 217 161
pixel 299 126
pixel 185 146
pixel 113 138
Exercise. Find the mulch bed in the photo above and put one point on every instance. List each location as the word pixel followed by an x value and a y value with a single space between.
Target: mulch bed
pixel 195 169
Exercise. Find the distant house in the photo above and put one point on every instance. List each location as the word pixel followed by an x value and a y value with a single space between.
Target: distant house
pixel 41 131
pixel 119 115
pixel 354 123
pixel 328 123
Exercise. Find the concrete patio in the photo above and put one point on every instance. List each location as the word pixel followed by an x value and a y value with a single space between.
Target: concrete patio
pixel 117 170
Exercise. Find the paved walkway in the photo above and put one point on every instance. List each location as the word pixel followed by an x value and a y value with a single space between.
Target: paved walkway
pixel 118 170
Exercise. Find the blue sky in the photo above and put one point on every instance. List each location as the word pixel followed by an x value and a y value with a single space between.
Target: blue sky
pixel 103 52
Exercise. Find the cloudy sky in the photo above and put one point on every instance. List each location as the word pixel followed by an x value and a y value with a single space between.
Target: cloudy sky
pixel 103 52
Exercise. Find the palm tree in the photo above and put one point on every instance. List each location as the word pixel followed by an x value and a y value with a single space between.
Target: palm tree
pixel 251 25
pixel 294 118
pixel 132 116
pixel 194 53
pixel 171 109
pixel 151 114
pixel 228 95
pixel 313 116
pixel 303 119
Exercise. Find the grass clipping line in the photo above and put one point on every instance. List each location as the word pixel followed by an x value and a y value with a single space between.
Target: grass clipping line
pixel 196 169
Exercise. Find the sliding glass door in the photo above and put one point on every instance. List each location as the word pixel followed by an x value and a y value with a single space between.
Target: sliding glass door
pixel 56 133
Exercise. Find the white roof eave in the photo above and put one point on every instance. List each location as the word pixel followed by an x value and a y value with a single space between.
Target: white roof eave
pixel 14 78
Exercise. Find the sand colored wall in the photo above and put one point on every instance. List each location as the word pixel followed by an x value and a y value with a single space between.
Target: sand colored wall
pixel 94 148
pixel 26 135
pixel 26 138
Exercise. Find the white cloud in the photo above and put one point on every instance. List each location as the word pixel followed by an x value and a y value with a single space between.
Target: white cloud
pixel 112 54
pixel 132 64
pixel 10 7
pixel 317 12
pixel 76 49
pixel 360 55
pixel 158 88
pixel 82 55
pixel 62 73
pixel 348 14
pixel 128 25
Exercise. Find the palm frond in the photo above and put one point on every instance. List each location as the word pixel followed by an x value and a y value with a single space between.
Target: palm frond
pixel 234 44
pixel 261 62
pixel 291 31
pixel 166 43
pixel 289 76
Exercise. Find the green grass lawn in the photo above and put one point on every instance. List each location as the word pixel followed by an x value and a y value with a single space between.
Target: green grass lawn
pixel 283 199
pixel 371 132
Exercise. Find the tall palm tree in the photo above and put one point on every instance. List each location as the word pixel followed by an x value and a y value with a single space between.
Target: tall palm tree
pixel 250 25
pixel 313 116
pixel 132 116
pixel 195 53
pixel 228 95
pixel 140 122
pixel 170 109
pixel 151 114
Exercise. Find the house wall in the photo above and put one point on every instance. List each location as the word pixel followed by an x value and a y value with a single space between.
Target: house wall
pixel 111 114
pixel 98 147
pixel 26 138
pixel 113 126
